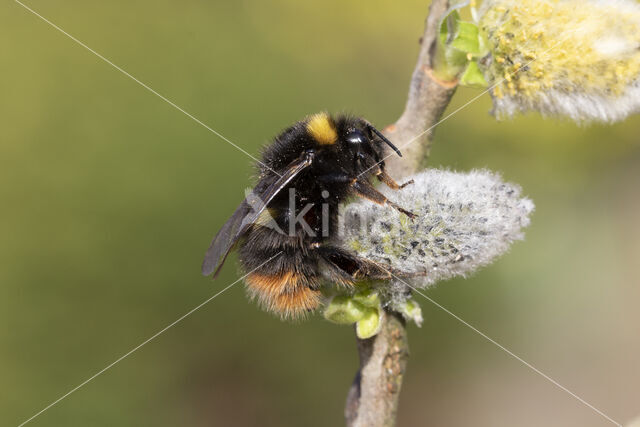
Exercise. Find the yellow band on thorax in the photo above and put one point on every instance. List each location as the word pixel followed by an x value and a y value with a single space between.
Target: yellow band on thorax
pixel 321 128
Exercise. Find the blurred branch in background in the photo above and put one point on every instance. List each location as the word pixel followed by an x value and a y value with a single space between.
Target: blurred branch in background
pixel 428 98
pixel 374 394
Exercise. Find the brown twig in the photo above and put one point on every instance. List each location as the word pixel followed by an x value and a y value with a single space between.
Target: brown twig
pixel 427 100
pixel 373 398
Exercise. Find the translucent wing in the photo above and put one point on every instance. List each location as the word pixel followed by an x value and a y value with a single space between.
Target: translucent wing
pixel 246 214
pixel 224 241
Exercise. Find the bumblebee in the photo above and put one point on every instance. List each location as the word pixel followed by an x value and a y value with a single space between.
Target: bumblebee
pixel 286 227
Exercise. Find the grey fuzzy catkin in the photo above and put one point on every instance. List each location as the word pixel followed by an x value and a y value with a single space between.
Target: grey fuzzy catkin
pixel 465 221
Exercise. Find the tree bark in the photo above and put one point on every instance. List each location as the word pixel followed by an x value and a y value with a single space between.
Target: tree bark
pixel 373 398
pixel 427 100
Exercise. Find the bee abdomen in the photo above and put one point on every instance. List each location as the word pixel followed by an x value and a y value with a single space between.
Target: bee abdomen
pixel 287 293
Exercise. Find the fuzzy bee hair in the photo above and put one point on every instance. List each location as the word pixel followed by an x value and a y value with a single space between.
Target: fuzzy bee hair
pixel 304 174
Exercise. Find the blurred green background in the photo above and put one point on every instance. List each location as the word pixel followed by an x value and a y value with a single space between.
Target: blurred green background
pixel 110 197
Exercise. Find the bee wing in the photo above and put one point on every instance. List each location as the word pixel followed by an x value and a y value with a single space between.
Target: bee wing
pixel 246 214
pixel 224 241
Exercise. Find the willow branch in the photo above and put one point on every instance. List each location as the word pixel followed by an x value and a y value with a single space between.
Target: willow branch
pixel 427 100
pixel 374 395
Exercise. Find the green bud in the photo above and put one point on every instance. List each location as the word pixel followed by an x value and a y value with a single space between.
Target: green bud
pixel 370 324
pixel 368 298
pixel 459 43
pixel 473 77
pixel 467 38
pixel 344 310
pixel 410 310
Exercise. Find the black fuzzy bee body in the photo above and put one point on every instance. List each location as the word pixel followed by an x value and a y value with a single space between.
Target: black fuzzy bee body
pixel 291 217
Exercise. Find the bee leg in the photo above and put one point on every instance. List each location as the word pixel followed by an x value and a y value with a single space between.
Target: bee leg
pixel 366 190
pixel 390 182
pixel 335 178
pixel 345 268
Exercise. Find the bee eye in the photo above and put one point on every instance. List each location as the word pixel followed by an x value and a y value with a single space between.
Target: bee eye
pixel 356 137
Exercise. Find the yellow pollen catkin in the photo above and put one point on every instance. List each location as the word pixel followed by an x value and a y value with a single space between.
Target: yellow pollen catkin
pixel 585 47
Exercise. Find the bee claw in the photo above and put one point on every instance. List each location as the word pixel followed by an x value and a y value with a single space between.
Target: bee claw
pixel 410 214
pixel 407 183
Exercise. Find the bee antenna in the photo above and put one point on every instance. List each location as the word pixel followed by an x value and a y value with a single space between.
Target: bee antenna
pixel 384 138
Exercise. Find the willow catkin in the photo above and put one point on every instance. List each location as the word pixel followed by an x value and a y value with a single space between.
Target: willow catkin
pixel 465 221
pixel 578 59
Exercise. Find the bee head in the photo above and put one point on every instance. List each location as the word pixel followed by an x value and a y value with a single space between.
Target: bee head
pixel 364 137
pixel 376 134
pixel 326 130
pixel 361 143
pixel 350 138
